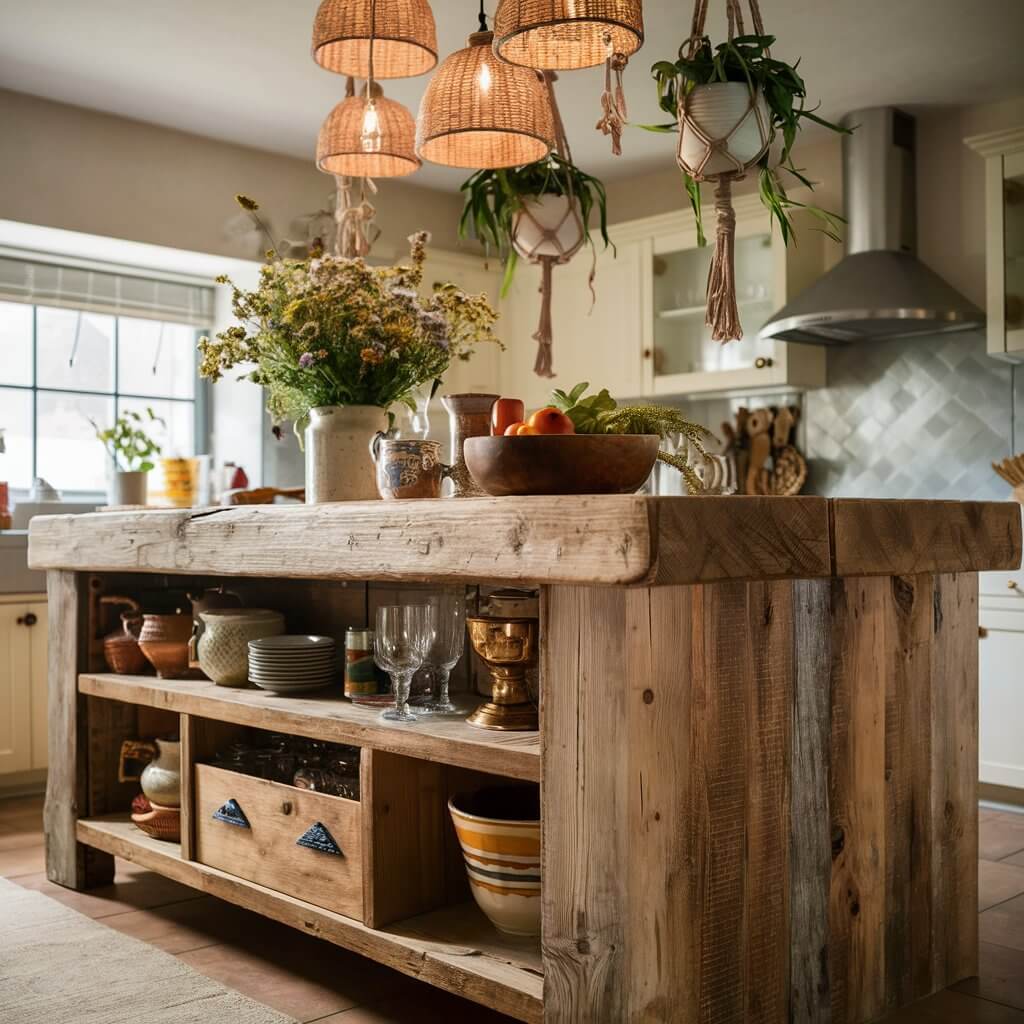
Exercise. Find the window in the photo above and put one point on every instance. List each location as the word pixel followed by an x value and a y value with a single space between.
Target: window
pixel 61 368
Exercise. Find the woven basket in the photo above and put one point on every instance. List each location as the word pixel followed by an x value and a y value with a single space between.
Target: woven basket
pixel 405 38
pixel 480 112
pixel 339 148
pixel 160 823
pixel 566 34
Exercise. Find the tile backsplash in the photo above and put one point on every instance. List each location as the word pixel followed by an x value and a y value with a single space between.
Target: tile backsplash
pixel 910 418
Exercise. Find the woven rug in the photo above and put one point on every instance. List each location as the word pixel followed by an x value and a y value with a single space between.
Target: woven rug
pixel 57 965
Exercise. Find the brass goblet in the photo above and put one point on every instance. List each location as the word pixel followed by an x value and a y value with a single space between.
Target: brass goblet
pixel 509 647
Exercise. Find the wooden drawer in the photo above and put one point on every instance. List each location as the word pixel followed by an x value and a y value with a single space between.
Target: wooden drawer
pixel 266 850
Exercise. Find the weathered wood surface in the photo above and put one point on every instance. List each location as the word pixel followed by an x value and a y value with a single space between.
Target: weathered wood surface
pixel 449 740
pixel 608 540
pixel 759 799
pixel 455 949
pixel 889 538
pixel 68 862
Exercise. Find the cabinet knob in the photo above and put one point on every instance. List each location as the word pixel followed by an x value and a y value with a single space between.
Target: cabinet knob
pixel 648 353
pixel 1010 585
pixel 982 632
pixel 762 362
pixel 27 620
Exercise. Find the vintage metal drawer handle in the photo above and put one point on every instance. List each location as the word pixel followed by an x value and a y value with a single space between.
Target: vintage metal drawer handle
pixel 316 837
pixel 231 814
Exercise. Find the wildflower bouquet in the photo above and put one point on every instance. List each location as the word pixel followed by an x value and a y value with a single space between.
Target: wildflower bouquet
pixel 326 330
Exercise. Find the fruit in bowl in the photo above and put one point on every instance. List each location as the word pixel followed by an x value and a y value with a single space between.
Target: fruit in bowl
pixel 582 445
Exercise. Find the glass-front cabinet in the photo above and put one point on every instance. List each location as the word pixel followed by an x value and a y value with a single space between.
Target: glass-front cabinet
pixel 1004 240
pixel 679 355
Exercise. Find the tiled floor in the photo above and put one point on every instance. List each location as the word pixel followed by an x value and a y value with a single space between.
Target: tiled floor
pixel 312 980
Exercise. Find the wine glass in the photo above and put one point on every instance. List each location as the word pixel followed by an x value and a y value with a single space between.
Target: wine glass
pixel 403 637
pixel 446 650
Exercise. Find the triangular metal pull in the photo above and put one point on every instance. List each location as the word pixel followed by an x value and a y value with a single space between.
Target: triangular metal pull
pixel 231 814
pixel 316 837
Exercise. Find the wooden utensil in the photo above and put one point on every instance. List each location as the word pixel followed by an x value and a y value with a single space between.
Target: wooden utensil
pixel 758 424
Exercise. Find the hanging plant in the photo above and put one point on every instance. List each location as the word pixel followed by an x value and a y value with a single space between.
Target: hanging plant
pixel 540 211
pixel 729 103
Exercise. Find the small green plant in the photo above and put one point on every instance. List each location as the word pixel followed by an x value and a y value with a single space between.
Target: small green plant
pixel 747 59
pixel 128 444
pixel 494 197
pixel 601 414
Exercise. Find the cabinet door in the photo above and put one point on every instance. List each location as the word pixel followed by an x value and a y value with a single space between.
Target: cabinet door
pixel 1001 697
pixel 40 693
pixel 597 337
pixel 15 689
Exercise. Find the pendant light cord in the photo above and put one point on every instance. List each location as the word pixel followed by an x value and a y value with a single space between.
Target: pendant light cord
pixel 483 17
pixel 373 37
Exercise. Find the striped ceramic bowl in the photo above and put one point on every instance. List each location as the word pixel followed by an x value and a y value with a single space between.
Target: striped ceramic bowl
pixel 499 831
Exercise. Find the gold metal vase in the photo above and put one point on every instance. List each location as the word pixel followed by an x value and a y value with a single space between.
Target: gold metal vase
pixel 509 647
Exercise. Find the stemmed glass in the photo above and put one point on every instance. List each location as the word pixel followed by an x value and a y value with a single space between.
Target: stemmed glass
pixel 446 650
pixel 403 637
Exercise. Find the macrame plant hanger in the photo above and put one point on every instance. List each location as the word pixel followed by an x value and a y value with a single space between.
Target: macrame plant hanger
pixel 614 114
pixel 548 248
pixel 722 313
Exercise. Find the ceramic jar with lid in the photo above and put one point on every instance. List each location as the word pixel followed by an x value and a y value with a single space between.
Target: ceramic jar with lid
pixel 223 647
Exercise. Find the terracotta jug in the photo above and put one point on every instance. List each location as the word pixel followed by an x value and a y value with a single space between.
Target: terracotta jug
pixel 121 648
pixel 164 641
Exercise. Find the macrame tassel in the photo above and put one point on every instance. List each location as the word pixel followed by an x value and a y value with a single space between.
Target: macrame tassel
pixel 543 337
pixel 722 316
pixel 613 101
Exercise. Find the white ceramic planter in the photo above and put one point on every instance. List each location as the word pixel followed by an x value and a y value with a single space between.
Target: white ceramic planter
pixel 127 488
pixel 552 228
pixel 339 466
pixel 716 109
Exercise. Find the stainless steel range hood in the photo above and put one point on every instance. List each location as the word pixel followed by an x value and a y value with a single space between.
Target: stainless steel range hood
pixel 879 289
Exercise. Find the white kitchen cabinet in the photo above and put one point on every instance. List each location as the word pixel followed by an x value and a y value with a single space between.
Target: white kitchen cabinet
pixel 1004 240
pixel 597 337
pixel 23 725
pixel 1001 678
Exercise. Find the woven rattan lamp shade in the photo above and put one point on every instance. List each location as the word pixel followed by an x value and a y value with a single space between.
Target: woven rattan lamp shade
pixel 340 148
pixel 405 38
pixel 479 112
pixel 566 34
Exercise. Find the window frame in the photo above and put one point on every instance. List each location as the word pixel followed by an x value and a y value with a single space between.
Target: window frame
pixel 201 400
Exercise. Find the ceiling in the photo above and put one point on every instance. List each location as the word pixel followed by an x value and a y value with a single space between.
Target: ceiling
pixel 240 70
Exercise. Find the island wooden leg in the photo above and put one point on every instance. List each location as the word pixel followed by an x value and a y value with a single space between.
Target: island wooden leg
pixel 759 800
pixel 68 862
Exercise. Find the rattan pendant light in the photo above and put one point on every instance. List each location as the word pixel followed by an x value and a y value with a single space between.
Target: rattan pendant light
pixel 364 139
pixel 566 34
pixel 406 37
pixel 481 112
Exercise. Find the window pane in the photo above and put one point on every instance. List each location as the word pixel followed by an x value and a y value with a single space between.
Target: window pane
pixel 15 343
pixel 156 358
pixel 16 421
pixel 70 457
pixel 174 435
pixel 64 362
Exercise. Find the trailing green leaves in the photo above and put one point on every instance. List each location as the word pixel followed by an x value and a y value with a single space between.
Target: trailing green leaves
pixel 747 59
pixel 494 196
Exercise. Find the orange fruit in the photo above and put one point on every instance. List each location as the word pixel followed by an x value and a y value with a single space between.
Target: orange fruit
pixel 550 420
pixel 524 429
pixel 513 428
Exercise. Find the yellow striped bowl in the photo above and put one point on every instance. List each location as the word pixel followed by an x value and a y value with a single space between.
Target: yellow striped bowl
pixel 499 831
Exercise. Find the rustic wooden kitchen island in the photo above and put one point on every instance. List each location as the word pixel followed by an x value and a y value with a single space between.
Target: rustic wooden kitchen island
pixel 758 745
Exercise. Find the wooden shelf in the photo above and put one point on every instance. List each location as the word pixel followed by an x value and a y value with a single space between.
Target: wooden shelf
pixel 446 740
pixel 455 948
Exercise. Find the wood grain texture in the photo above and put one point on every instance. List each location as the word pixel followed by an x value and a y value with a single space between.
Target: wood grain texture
pixel 448 740
pixel 266 852
pixel 68 862
pixel 603 539
pixel 891 538
pixel 455 949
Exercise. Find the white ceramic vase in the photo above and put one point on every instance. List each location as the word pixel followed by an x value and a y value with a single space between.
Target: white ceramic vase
pixel 127 488
pixel 339 466
pixel 551 227
pixel 717 109
pixel 223 648
pixel 161 778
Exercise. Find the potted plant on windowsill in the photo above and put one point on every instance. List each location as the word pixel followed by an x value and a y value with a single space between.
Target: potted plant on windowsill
pixel 131 451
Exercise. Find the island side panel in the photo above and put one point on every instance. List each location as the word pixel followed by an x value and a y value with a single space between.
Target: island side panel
pixel 68 862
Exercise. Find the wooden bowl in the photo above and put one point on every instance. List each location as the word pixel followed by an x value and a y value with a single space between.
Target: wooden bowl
pixel 561 463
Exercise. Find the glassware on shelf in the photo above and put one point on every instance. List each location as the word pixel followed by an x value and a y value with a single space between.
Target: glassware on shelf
pixel 404 635
pixel 419 417
pixel 446 650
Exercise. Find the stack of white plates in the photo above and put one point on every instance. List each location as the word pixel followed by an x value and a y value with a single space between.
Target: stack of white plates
pixel 291 664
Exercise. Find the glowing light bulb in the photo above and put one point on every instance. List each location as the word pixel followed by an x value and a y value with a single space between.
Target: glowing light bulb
pixel 370 137
pixel 484 78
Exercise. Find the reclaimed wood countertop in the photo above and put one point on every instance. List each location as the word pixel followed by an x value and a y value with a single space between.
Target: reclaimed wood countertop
pixel 599 539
